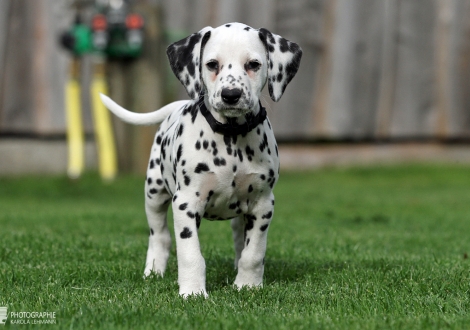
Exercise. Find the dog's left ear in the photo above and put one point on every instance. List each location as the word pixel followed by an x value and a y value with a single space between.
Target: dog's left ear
pixel 283 62
pixel 185 61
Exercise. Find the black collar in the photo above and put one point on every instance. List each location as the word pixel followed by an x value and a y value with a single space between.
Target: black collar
pixel 232 128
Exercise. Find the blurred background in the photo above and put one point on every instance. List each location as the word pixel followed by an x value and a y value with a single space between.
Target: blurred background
pixel 380 80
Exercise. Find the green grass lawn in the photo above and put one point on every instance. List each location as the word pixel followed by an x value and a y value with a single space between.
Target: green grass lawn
pixel 360 248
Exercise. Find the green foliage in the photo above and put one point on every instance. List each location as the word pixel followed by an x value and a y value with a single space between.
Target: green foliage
pixel 360 248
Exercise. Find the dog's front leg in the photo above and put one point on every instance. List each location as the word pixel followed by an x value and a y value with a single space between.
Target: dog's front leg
pixel 251 263
pixel 191 264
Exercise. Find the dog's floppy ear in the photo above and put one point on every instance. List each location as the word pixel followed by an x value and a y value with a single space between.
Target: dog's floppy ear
pixel 185 61
pixel 283 62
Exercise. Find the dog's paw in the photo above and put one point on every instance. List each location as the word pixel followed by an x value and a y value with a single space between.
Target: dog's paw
pixel 150 272
pixel 247 286
pixel 247 282
pixel 197 293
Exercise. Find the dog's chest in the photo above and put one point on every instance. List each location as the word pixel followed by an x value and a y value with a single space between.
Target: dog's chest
pixel 227 173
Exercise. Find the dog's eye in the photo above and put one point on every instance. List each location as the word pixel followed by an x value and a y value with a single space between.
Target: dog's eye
pixel 213 65
pixel 252 66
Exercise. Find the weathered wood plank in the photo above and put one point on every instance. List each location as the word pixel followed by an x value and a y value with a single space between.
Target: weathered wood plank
pixel 4 23
pixel 17 98
pixel 459 63
pixel 299 21
pixel 388 70
pixel 35 69
pixel 414 111
pixel 356 68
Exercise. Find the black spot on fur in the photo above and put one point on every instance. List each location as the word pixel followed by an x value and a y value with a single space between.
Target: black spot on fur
pixel 198 145
pixel 267 215
pixel 209 195
pixel 197 86
pixel 179 153
pixel 151 231
pixel 194 112
pixel 201 167
pixel 249 223
pixel 187 180
pixel 152 164
pixel 219 161
pixel 153 191
pixel 183 206
pixel 186 233
pixel 284 45
pixel 250 217
pixel 250 153
pixel 264 227
pixel 149 181
pixel 240 155
pixel 180 130
pixel 264 143
pixel 250 188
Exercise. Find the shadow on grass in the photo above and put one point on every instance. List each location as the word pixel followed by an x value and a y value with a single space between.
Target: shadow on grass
pixel 221 273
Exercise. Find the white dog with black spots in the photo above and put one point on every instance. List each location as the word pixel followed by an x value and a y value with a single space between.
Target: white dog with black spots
pixel 215 156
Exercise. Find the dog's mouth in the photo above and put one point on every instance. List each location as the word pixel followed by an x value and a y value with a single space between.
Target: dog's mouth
pixel 233 112
pixel 240 109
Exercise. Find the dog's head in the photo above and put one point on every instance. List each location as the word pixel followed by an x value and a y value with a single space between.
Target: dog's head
pixel 232 63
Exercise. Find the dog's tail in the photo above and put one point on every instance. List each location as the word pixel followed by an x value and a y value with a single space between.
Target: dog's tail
pixel 150 118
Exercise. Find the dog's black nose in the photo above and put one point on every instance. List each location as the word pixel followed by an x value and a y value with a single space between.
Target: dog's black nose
pixel 231 96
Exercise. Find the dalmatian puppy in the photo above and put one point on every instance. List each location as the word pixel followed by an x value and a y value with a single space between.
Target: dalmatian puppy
pixel 215 156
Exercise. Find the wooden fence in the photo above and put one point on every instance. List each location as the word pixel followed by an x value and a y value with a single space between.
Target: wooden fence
pixel 372 69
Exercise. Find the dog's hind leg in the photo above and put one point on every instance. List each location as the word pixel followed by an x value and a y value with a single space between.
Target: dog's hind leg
pixel 157 201
pixel 159 239
pixel 238 227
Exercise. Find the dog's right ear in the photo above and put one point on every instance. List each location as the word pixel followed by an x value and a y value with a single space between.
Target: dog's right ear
pixel 185 61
